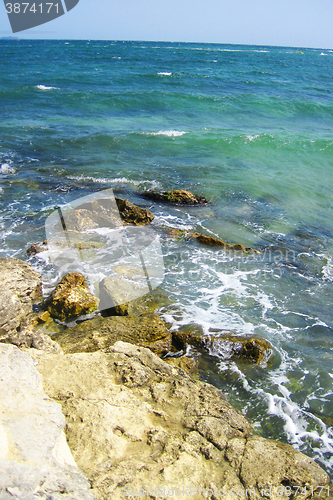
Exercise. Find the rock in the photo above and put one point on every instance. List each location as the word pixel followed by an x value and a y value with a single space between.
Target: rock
pixel 225 346
pixel 43 317
pixel 37 248
pixel 147 330
pixel 135 422
pixel 20 288
pixel 208 240
pixel 71 298
pixel 228 346
pixel 35 460
pixel 117 292
pixel 180 196
pixel 132 214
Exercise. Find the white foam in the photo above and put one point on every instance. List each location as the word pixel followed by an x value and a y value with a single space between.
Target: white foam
pixel 165 73
pixel 251 137
pixel 327 270
pixel 168 133
pixel 5 169
pixel 323 54
pixel 1 190
pixel 44 87
pixel 116 180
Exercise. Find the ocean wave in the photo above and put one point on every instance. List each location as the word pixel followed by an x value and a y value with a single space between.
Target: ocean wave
pixel 165 73
pixel 168 133
pixel 327 270
pixel 117 180
pixel 252 137
pixel 6 168
pixel 44 87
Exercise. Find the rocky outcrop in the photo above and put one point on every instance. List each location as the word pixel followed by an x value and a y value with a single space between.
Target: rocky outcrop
pixel 20 288
pixel 35 461
pixel 132 214
pixel 179 196
pixel 71 298
pixel 136 423
pixel 147 330
pixel 215 242
pixel 225 345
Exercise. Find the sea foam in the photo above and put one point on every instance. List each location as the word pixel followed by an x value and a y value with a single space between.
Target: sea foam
pixel 44 87
pixel 5 169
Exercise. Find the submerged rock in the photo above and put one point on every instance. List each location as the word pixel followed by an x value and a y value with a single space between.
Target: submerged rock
pixel 71 298
pixel 208 240
pixel 147 330
pixel 35 460
pixel 134 422
pixel 179 196
pixel 20 288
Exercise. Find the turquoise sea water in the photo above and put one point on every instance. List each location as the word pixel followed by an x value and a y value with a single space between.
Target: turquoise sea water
pixel 248 127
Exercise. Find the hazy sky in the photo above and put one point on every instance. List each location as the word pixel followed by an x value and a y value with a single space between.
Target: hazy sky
pixel 297 23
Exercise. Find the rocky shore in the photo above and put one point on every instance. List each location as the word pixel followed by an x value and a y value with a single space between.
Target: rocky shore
pixel 116 419
pixel 111 406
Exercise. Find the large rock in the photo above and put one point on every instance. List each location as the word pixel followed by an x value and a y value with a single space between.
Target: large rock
pixel 71 298
pixel 147 330
pixel 179 196
pixel 20 288
pixel 134 422
pixel 35 461
pixel 132 214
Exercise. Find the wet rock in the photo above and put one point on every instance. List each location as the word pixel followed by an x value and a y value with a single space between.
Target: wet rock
pixel 43 317
pixel 179 196
pixel 35 460
pixel 227 347
pixel 208 240
pixel 20 288
pixel 147 330
pixel 117 292
pixel 71 298
pixel 37 248
pixel 132 214
pixel 134 422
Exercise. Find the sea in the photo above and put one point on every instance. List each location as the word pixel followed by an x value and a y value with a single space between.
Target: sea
pixel 248 127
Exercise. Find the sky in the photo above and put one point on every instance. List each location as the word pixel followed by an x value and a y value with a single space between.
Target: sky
pixel 295 23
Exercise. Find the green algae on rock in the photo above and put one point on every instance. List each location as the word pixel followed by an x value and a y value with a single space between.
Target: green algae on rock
pixel 132 214
pixel 71 298
pixel 179 196
pixel 147 330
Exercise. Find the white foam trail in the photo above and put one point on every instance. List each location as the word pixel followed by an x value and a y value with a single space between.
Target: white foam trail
pixel 44 87
pixel 327 270
pixel 5 169
pixel 116 180
pixel 252 137
pixel 168 133
pixel 165 73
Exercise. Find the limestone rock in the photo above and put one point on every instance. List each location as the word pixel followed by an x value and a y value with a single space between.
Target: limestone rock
pixel 132 214
pixel 147 330
pixel 215 242
pixel 134 422
pixel 179 196
pixel 35 460
pixel 20 288
pixel 71 298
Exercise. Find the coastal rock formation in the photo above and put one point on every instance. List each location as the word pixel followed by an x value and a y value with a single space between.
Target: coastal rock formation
pixel 179 196
pixel 215 242
pixel 147 330
pixel 71 298
pixel 136 423
pixel 132 214
pixel 225 345
pixel 35 461
pixel 20 288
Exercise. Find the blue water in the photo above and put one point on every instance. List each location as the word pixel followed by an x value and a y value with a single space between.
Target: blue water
pixel 248 127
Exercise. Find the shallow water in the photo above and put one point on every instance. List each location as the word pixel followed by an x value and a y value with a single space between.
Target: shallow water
pixel 248 127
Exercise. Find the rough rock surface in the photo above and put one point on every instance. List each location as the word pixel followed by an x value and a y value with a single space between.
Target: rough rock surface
pixel 20 288
pixel 179 196
pixel 147 330
pixel 35 461
pixel 134 422
pixel 71 298
pixel 215 242
pixel 132 214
